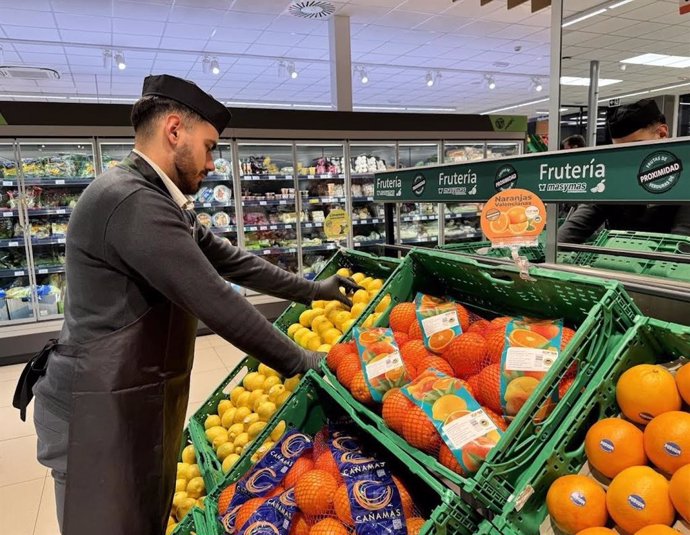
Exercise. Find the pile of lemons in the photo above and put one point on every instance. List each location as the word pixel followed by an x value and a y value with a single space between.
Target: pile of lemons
pixel 323 325
pixel 242 417
pixel 189 488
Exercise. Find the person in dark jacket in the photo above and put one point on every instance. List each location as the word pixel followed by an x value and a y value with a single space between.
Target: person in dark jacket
pixel 642 121
pixel 140 270
pixel 574 142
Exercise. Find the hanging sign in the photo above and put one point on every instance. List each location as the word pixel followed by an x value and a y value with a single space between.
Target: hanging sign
pixel 513 218
pixel 336 225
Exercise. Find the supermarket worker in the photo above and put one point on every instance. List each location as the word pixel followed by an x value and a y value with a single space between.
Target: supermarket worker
pixel 140 269
pixel 641 121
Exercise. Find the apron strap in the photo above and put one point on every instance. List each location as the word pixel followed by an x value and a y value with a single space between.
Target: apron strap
pixel 32 372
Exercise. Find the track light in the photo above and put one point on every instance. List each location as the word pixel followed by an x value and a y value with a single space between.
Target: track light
pixel 538 86
pixel 430 79
pixel 120 61
pixel 362 74
pixel 215 67
pixel 490 82
pixel 291 70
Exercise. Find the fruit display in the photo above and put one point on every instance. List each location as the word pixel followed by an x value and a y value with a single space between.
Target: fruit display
pixel 240 417
pixel 190 489
pixel 323 324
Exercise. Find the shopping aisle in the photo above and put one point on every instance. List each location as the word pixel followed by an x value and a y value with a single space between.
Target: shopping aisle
pixel 27 502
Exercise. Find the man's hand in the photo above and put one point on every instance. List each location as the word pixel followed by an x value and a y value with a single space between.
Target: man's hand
pixel 329 289
pixel 311 360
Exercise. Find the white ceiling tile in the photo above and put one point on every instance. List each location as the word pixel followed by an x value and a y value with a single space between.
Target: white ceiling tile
pixel 363 14
pixel 138 27
pixel 279 38
pixel 123 40
pixel 23 17
pixel 81 7
pixel 247 21
pixel 86 37
pixel 140 11
pixel 71 21
pixel 196 15
pixel 268 50
pixel 236 35
pixel 22 32
pixel 175 43
pixel 306 53
pixel 260 6
pixel 648 29
pixel 445 23
pixel 429 51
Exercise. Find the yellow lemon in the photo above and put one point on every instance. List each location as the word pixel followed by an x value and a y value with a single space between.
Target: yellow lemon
pixel 270 382
pixel 344 272
pixel 324 348
pixel 331 336
pixel 251 419
pixel 268 372
pixel 178 497
pixel 243 400
pixel 348 325
pixel 234 431
pixel 228 417
pixel 223 406
pixel 383 304
pixel 214 432
pixel 292 329
pixel 318 304
pixel 171 520
pixel 358 277
pixel 360 296
pixel 357 309
pixel 259 401
pixel 364 283
pixel 225 449
pixel 314 343
pixel 266 410
pixel 236 393
pixel 292 383
pixel 333 306
pixel 241 441
pixel 256 428
pixel 373 294
pixel 275 391
pixel 229 462
pixel 317 322
pixel 213 420
pixel 254 381
pixel 180 485
pixel 256 394
pixel 307 338
pixel 185 507
pixel 376 284
pixel 324 326
pixel 305 318
pixel 182 470
pixel 189 455
pixel 170 528
pixel 218 440
pixel 195 488
pixel 194 471
pixel 282 398
pixel 201 502
pixel 340 318
pixel 301 334
pixel 241 414
pixel 278 431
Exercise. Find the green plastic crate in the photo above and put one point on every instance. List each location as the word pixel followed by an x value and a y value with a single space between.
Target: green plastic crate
pixel 533 254
pixel 194 523
pixel 600 310
pixel 186 526
pixel 649 342
pixel 378 267
pixel 642 242
pixel 308 409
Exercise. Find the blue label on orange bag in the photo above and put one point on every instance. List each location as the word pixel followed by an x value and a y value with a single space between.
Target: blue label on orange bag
pixel 273 517
pixel 381 362
pixel 460 421
pixel 267 474
pixel 438 320
pixel 530 350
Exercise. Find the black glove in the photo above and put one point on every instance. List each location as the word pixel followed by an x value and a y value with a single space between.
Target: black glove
pixel 311 361
pixel 329 289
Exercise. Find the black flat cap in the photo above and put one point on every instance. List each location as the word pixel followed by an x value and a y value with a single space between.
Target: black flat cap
pixel 189 94
pixel 625 120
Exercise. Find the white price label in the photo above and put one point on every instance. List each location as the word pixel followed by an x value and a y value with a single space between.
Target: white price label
pixel 207 205
pixel 271 177
pixel 7 183
pixel 288 177
pixel 267 252
pixel 262 203
pixel 7 214
pixel 470 427
pixel 374 220
pixel 18 273
pixel 61 240
pixel 527 359
pixel 60 212
pixel 59 182
pixel 42 271
pixel 308 225
pixel 263 228
pixel 311 177
pixel 440 322
pixel 282 202
pixel 13 244
pixel 273 227
pixel 380 367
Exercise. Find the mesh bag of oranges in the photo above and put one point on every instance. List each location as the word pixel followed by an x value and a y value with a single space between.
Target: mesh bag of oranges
pixel 346 480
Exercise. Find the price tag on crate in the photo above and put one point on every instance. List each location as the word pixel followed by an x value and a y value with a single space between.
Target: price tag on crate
pixel 59 182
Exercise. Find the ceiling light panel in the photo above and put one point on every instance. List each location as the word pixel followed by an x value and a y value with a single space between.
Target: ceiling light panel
pixel 584 82
pixel 660 60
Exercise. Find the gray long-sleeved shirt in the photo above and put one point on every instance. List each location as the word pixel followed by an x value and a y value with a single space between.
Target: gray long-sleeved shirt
pixel 130 245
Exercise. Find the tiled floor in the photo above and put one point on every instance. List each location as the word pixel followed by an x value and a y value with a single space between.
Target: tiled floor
pixel 27 499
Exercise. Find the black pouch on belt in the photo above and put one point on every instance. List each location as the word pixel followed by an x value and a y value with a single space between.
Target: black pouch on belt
pixel 32 372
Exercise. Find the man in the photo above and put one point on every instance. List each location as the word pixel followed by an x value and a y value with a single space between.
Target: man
pixel 642 121
pixel 574 142
pixel 140 269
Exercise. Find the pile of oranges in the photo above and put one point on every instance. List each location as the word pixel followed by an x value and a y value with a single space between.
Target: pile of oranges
pixel 643 457
pixel 321 496
pixel 474 356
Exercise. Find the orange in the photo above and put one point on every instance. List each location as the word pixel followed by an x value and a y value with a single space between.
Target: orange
pixel 395 409
pixel 564 386
pixel 225 498
pixel 639 497
pixel 328 526
pixel 667 441
pixel 500 224
pixel 488 391
pixel 347 369
pixel 495 344
pixel 302 465
pixel 473 383
pixel 402 317
pixel 440 340
pixel 497 419
pixel 463 316
pixel 516 215
pixel 327 463
pixel 401 338
pixel 465 354
pixel 683 382
pixel 499 323
pixel 337 352
pixel 414 352
pixel 320 443
pixel 518 228
pixel 566 337
pixel 299 525
pixel 360 389
pixel 480 326
pixel 575 503
pixel 246 511
pixel 415 525
pixel 597 531
pixel 646 391
pixel 341 502
pixel 657 529
pixel 447 459
pixel 437 363
pixel 614 444
pixel 314 492
pixel 415 332
pixel 420 432
pixel 405 497
pixel 679 489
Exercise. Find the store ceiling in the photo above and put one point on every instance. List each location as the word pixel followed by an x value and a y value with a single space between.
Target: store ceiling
pixel 396 41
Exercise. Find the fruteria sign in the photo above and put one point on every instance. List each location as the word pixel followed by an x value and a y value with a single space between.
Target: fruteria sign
pixel 654 172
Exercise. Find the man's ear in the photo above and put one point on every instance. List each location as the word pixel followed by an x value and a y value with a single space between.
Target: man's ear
pixel 663 131
pixel 173 125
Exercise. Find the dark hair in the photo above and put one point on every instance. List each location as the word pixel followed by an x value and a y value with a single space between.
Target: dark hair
pixel 574 142
pixel 148 109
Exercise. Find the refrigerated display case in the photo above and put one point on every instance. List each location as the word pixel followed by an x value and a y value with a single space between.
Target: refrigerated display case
pixel 419 222
pixel 368 218
pixel 269 202
pixel 503 149
pixel 322 185
pixel 214 203
pixel 113 151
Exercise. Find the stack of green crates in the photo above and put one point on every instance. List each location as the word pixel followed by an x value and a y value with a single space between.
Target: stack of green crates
pixel 193 522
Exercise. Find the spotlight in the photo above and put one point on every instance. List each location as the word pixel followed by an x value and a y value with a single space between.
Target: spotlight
pixel 538 87
pixel 362 73
pixel 120 61
pixel 491 83
pixel 430 80
pixel 291 70
pixel 215 67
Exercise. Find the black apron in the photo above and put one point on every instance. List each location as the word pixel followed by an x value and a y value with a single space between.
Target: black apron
pixel 129 399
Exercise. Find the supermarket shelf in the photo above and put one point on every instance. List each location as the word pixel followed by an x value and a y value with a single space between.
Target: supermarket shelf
pixel 218 178
pixel 414 218
pixel 48 270
pixel 464 215
pixel 250 178
pixel 274 251
pixel 362 199
pixel 325 200
pixel 323 247
pixel 272 202
pixel 409 241
pixel 65 181
pixel 312 225
pixel 262 228
pixel 463 236
pixel 373 221
pixel 369 243
pixel 214 205
pixel 35 212
pixel 11 273
pixel 14 242
pixel 224 230
pixel 327 176
pixel 19 241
